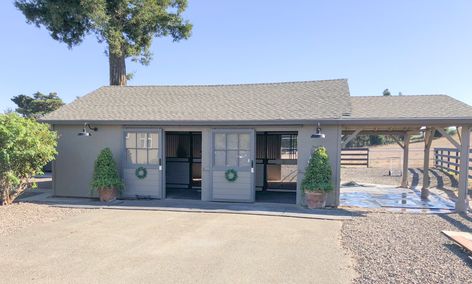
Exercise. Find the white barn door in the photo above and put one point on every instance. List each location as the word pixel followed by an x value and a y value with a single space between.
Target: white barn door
pixel 233 162
pixel 142 163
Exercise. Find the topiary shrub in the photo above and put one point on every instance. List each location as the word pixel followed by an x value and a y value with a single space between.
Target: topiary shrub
pixel 318 172
pixel 105 174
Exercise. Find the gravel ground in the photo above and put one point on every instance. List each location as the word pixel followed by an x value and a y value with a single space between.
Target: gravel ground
pixel 21 215
pixel 407 248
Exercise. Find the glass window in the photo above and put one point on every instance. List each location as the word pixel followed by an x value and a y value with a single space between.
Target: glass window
pixel 130 140
pixel 153 142
pixel 232 141
pixel 232 158
pixel 220 141
pixel 232 150
pixel 142 148
pixel 153 157
pixel 244 141
pixel 220 158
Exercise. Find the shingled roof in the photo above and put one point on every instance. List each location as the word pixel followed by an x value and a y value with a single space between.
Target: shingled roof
pixel 293 101
pixel 274 103
pixel 408 107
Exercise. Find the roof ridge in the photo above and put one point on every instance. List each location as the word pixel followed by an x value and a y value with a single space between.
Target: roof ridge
pixel 230 85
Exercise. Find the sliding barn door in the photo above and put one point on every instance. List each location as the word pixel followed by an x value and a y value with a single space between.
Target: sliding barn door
pixel 233 165
pixel 142 163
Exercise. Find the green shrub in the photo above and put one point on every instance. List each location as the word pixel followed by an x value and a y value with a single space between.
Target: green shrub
pixel 318 172
pixel 105 174
pixel 25 147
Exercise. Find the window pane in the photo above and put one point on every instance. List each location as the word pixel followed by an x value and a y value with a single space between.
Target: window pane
pixel 130 140
pixel 153 157
pixel 142 156
pixel 220 141
pixel 244 159
pixel 131 156
pixel 220 158
pixel 232 141
pixel 153 140
pixel 244 141
pixel 142 140
pixel 232 158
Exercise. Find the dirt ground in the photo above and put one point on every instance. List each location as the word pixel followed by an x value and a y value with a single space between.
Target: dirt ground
pixel 391 155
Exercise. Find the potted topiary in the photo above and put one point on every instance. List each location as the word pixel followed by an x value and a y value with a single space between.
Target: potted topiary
pixel 106 180
pixel 317 179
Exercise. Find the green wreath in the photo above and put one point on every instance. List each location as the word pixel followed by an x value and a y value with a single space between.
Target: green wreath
pixel 141 172
pixel 231 175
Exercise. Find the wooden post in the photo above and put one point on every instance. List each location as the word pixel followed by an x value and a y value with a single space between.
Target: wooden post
pixel 406 146
pixel 462 204
pixel 428 138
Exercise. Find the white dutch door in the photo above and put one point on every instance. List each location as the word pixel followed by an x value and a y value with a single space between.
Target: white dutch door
pixel 233 165
pixel 142 163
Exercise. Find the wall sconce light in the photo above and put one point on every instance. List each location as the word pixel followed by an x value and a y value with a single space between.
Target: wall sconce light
pixel 318 133
pixel 85 132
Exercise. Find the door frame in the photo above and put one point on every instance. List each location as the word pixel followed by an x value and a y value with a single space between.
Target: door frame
pixel 252 133
pixel 161 163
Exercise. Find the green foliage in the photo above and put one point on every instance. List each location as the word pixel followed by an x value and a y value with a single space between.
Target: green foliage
pixel 318 172
pixel 105 174
pixel 127 26
pixel 372 140
pixel 37 105
pixel 386 93
pixel 25 147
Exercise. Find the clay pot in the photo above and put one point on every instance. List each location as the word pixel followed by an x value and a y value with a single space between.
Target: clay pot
pixel 315 199
pixel 107 194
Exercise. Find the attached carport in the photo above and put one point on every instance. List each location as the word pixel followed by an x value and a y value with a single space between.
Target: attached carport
pixel 404 116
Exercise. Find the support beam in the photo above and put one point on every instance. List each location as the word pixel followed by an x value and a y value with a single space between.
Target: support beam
pixel 453 142
pixel 406 148
pixel 428 139
pixel 462 203
pixel 398 141
pixel 350 137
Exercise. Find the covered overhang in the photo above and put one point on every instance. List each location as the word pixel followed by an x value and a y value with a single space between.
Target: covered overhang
pixel 405 128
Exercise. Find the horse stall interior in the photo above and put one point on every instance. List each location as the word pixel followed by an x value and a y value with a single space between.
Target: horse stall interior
pixel 183 165
pixel 276 167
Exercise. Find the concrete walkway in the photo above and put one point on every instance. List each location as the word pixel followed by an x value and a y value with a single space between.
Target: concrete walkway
pixel 136 246
pixel 181 205
pixel 395 199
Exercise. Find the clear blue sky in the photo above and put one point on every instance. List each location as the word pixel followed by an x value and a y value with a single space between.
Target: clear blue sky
pixel 416 47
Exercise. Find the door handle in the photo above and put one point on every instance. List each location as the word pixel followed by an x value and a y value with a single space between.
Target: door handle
pixel 252 166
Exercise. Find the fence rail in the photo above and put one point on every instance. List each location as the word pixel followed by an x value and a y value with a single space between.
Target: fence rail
pixel 449 159
pixel 355 157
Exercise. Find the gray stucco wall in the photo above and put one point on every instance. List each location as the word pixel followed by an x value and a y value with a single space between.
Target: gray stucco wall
pixel 73 167
pixel 306 145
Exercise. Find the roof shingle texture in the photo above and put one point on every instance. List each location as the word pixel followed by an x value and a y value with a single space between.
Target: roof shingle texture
pixel 327 99
pixel 408 107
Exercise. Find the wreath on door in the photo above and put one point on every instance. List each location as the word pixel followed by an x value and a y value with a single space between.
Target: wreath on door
pixel 231 175
pixel 141 172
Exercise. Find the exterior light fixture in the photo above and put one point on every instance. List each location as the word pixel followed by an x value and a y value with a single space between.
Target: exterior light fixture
pixel 318 133
pixel 85 132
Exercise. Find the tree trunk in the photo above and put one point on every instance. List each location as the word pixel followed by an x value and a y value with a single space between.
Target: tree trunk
pixel 117 70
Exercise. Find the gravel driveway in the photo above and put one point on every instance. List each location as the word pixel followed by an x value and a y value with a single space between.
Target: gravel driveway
pixel 18 216
pixel 408 248
pixel 151 246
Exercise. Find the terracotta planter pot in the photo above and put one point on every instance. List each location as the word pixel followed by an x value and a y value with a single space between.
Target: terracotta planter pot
pixel 316 199
pixel 107 194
